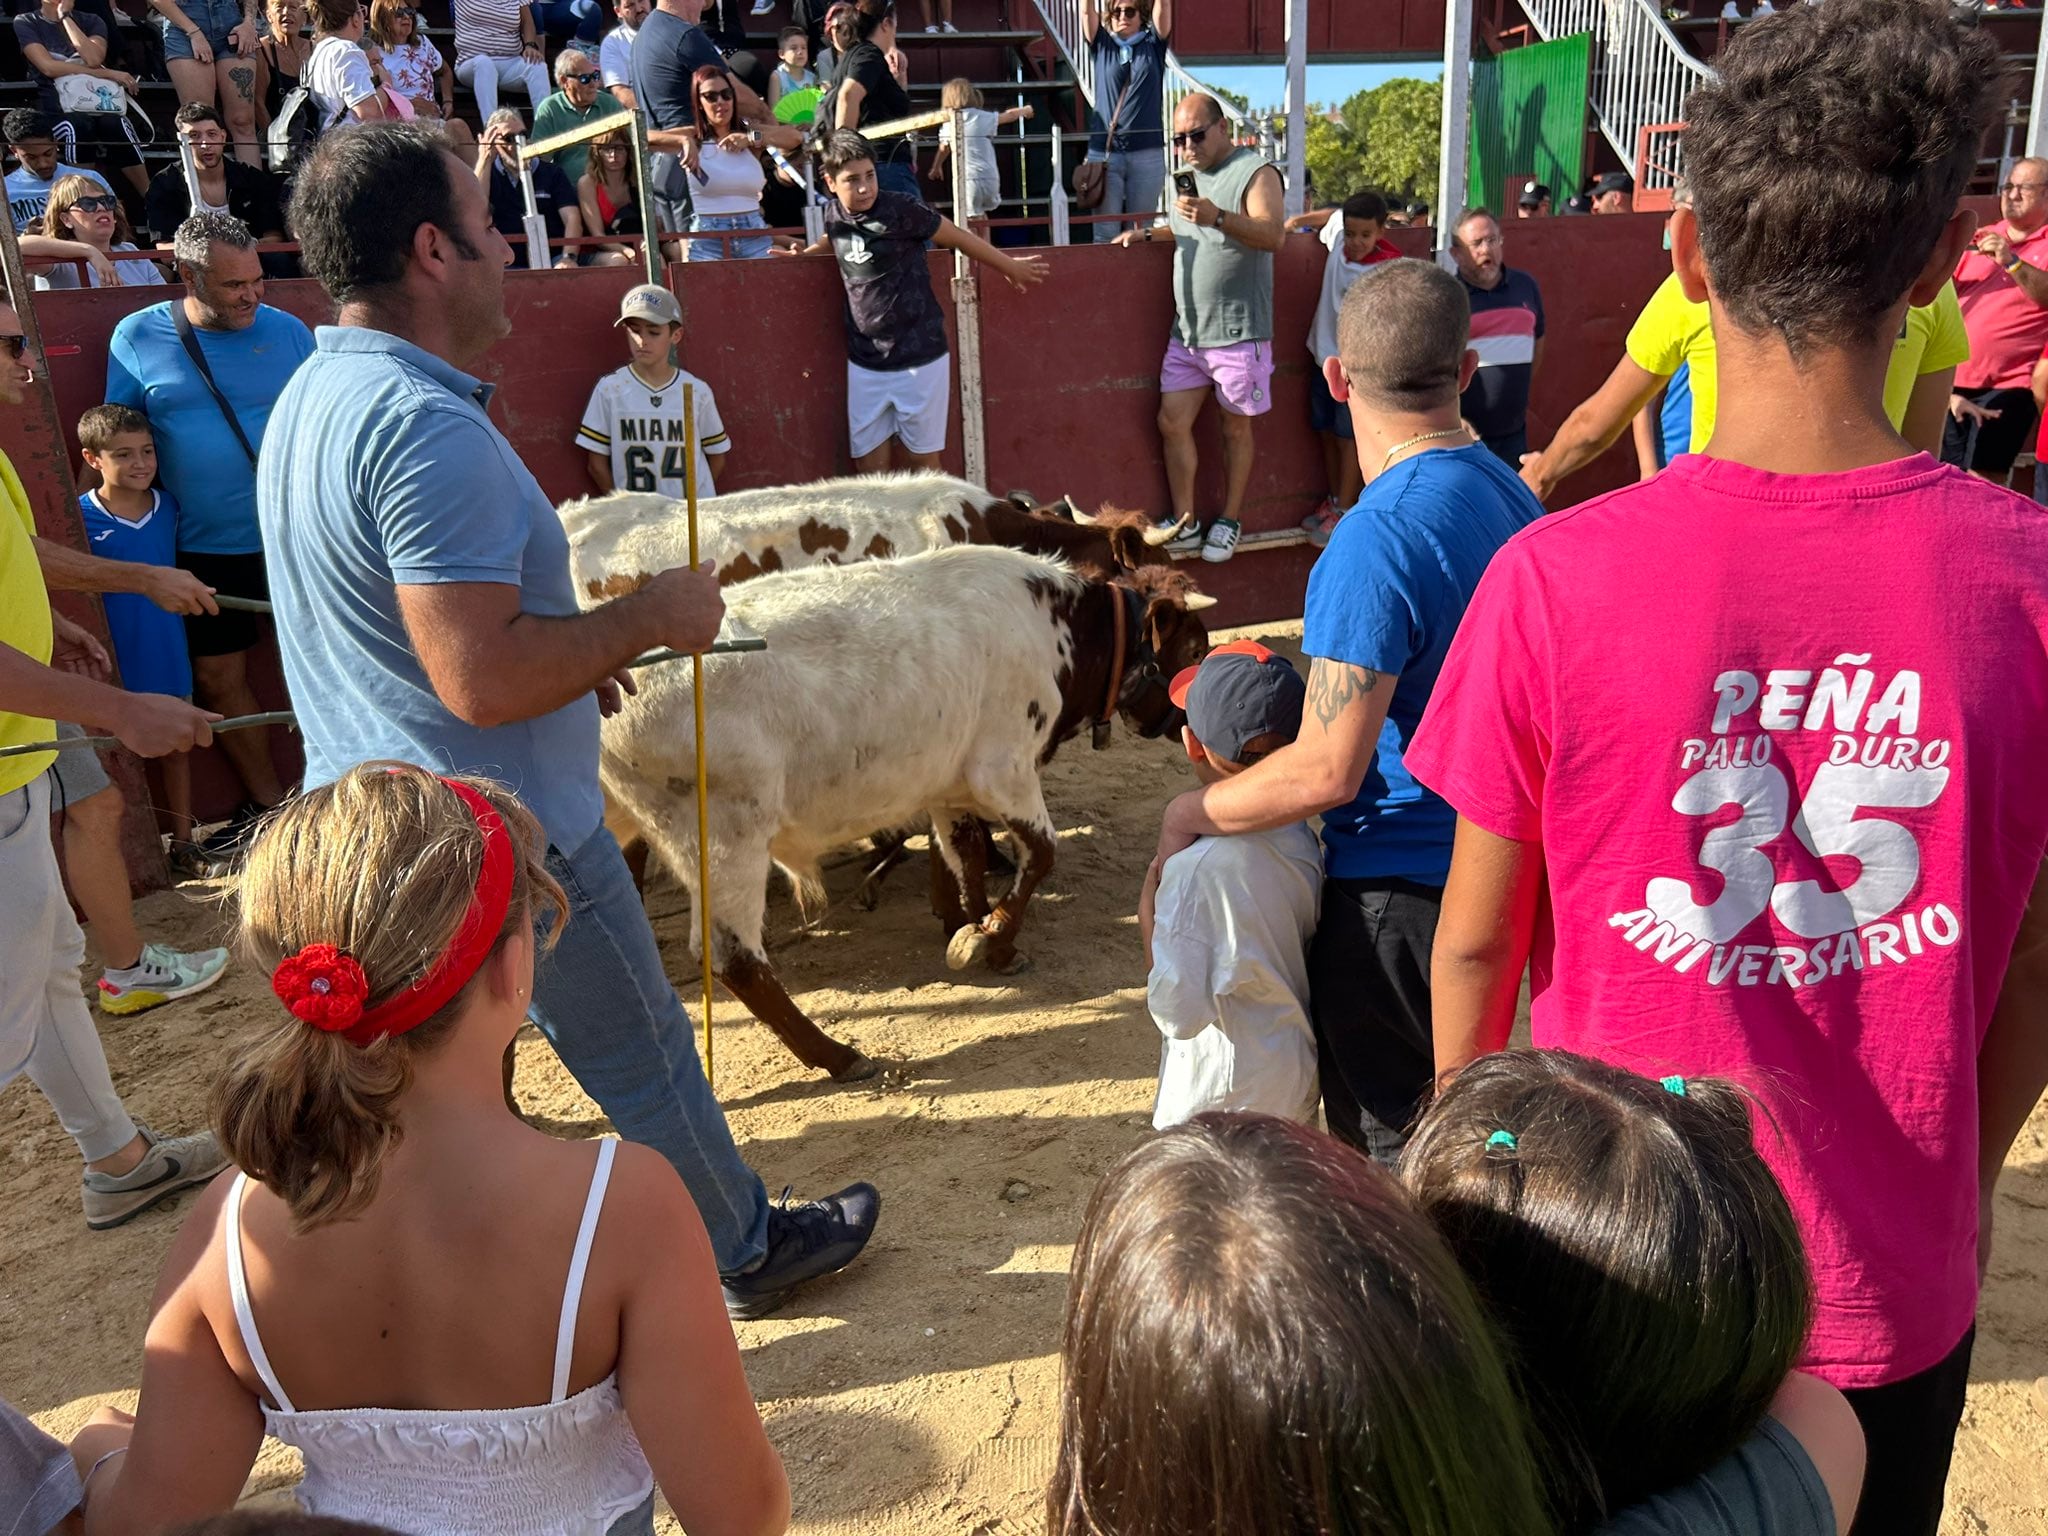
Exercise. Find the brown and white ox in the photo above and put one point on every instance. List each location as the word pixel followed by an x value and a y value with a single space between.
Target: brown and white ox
pixel 930 686
pixel 858 517
pixel 836 522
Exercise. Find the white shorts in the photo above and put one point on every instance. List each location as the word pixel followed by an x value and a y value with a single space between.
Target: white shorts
pixel 911 404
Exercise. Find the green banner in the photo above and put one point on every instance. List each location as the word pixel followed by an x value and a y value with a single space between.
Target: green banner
pixel 1529 110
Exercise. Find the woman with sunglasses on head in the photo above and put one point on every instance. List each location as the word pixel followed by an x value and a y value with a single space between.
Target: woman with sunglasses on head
pixel 86 219
pixel 1127 137
pixel 725 189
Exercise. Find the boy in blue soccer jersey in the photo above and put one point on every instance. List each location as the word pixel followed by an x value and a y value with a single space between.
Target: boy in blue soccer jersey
pixel 127 518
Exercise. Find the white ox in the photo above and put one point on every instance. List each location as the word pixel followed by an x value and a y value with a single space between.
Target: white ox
pixel 891 690
pixel 858 517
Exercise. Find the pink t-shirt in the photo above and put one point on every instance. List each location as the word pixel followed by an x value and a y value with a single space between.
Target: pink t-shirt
pixel 1781 738
pixel 2007 329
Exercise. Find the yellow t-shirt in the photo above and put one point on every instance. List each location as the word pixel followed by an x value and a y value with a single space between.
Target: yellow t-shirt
pixel 1672 330
pixel 24 624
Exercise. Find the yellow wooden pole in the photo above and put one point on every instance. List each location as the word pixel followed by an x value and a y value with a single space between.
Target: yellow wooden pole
pixel 697 701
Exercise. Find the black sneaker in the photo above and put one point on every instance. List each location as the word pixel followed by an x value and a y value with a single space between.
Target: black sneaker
pixel 230 838
pixel 805 1241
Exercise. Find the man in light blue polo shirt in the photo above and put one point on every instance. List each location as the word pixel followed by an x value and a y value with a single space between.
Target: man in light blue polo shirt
pixel 425 612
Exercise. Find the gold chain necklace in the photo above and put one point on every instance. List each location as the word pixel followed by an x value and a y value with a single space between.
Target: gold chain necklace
pixel 1427 437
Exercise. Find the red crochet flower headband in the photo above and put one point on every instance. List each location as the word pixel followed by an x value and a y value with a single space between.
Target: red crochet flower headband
pixel 326 987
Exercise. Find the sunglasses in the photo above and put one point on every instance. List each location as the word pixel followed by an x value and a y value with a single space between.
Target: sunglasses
pixel 1118 12
pixel 97 204
pixel 711 95
pixel 1194 136
pixel 589 77
pixel 14 346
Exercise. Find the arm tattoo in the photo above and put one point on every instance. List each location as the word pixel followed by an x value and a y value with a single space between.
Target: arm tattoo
pixel 1333 686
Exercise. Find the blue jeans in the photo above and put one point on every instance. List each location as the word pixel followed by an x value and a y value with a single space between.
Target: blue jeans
pixel 563 19
pixel 635 1522
pixel 1135 179
pixel 606 1006
pixel 736 250
pixel 899 176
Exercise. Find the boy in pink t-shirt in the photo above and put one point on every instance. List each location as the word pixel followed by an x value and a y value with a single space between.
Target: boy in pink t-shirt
pixel 1748 758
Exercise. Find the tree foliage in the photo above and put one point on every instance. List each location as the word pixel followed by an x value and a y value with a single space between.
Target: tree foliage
pixel 1385 140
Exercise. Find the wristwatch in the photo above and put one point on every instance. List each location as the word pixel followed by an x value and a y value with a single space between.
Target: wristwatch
pixel 754 137
pixel 2013 266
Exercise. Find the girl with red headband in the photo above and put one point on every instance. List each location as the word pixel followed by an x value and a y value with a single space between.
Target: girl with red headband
pixel 464 1325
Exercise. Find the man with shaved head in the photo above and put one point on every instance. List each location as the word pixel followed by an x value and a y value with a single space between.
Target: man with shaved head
pixel 2003 286
pixel 1383 602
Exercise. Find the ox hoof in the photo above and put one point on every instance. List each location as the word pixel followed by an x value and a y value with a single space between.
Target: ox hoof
pixel 868 895
pixel 966 947
pixel 858 1070
pixel 1013 965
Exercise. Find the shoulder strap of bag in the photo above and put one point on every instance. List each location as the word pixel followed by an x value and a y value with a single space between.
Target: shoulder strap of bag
pixel 192 350
pixel 1117 111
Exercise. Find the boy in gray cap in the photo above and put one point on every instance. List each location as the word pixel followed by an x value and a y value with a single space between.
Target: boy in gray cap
pixel 632 431
pixel 1227 924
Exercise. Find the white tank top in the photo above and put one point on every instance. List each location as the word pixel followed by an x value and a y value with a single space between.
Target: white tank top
pixel 567 1467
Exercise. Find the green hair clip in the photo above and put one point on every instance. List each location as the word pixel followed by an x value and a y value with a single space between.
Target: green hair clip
pixel 1675 1085
pixel 1501 1139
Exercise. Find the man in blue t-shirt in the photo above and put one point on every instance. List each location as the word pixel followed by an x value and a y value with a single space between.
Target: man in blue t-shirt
pixel 426 613
pixel 1507 336
pixel 1383 602
pixel 207 445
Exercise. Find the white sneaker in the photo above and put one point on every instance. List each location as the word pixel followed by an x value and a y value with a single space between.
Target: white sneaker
pixel 1730 13
pixel 763 7
pixel 1763 8
pixel 162 975
pixel 1221 543
pixel 947 26
pixel 931 27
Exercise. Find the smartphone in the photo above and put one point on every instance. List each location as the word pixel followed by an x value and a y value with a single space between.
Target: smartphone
pixel 1184 183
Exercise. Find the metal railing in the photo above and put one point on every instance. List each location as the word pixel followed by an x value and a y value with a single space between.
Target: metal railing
pixel 1642 73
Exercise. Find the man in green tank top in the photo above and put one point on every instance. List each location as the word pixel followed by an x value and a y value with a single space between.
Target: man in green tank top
pixel 1222 343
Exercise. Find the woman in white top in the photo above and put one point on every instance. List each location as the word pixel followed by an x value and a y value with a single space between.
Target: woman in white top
pixel 497 45
pixel 466 1327
pixel 83 222
pixel 337 74
pixel 725 189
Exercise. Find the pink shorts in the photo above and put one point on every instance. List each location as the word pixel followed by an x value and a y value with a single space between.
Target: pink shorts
pixel 1241 372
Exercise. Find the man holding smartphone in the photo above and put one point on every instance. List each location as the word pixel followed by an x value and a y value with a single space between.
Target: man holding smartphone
pixel 1226 220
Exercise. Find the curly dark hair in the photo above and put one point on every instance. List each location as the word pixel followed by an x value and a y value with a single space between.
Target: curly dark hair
pixel 1828 155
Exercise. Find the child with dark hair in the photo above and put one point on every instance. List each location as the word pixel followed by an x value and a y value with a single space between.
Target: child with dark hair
pixel 1647 1273
pixel 1264 1335
pixel 465 1327
pixel 1760 739
pixel 898 372
pixel 1351 235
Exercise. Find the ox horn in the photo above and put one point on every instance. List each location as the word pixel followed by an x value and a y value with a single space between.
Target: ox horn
pixel 1157 536
pixel 1084 519
pixel 1195 602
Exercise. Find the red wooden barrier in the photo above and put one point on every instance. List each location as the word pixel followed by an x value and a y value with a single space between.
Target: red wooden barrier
pixel 1071 380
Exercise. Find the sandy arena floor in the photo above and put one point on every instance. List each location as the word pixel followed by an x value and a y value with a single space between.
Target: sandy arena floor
pixel 917 1393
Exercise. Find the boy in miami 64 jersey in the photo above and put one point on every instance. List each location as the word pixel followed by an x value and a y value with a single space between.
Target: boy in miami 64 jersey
pixel 632 433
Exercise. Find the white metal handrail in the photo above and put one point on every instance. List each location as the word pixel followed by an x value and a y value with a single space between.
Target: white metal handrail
pixel 1642 73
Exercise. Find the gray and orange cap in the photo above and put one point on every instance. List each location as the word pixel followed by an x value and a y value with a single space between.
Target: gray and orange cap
pixel 1241 691
pixel 650 302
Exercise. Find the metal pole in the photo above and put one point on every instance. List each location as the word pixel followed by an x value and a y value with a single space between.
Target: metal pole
pixel 697 705
pixel 1297 106
pixel 538 256
pixel 2037 129
pixel 190 161
pixel 1455 139
pixel 650 226
pixel 967 320
pixel 1056 203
